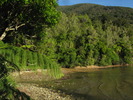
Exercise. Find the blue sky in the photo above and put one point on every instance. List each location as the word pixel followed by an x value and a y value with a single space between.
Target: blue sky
pixel 123 3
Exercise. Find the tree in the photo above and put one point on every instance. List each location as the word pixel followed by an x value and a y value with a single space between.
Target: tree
pixel 26 17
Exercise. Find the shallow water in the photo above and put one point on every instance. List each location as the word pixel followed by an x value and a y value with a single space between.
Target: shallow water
pixel 104 84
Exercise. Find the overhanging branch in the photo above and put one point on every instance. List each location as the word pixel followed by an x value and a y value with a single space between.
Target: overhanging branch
pixel 19 26
pixel 11 28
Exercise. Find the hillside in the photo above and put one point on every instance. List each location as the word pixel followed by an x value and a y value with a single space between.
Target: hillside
pixel 95 35
pixel 114 14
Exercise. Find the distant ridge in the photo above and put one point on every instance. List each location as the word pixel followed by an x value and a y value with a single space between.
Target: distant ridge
pixel 97 11
pixel 76 8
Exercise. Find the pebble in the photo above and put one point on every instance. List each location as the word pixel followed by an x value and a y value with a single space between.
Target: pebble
pixel 39 93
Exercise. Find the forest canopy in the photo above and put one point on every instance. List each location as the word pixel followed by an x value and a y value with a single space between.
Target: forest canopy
pixel 82 37
pixel 26 18
pixel 78 41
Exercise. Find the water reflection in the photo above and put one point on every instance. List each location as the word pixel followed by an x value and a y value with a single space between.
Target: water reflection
pixel 106 84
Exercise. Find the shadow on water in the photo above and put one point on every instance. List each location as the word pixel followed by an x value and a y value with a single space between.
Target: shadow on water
pixel 85 96
pixel 80 96
pixel 105 84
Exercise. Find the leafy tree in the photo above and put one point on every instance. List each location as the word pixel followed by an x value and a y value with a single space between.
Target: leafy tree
pixel 26 17
pixel 22 21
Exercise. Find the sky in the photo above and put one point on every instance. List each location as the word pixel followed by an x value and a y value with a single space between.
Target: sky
pixel 123 3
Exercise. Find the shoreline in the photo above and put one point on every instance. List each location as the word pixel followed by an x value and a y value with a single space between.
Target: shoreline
pixel 71 70
pixel 27 82
pixel 43 72
pixel 102 67
pixel 89 68
pixel 40 93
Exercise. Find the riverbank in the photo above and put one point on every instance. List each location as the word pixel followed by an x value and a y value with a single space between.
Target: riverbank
pixel 103 84
pixel 43 72
pixel 88 68
pixel 28 82
pixel 39 93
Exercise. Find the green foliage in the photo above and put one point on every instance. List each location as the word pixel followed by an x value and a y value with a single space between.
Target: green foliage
pixel 22 23
pixel 120 16
pixel 26 59
pixel 7 89
pixel 77 40
pixel 24 20
pixel 105 37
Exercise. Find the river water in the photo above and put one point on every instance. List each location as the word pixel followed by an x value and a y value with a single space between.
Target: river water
pixel 100 84
pixel 103 84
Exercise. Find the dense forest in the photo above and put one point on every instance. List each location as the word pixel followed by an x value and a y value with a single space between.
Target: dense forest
pixel 86 34
pixel 38 36
pixel 118 15
pixel 95 35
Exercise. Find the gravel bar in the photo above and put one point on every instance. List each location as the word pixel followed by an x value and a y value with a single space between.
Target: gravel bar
pixel 39 93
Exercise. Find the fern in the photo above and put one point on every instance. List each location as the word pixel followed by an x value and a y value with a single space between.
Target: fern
pixel 30 60
pixel 40 60
pixel 35 59
pixel 23 58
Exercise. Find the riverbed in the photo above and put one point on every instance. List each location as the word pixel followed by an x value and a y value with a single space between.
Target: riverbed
pixel 98 84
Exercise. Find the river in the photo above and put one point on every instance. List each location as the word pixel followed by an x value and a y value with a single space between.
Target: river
pixel 103 84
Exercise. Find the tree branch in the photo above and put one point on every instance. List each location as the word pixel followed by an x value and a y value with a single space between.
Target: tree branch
pixel 16 27
pixel 3 36
pixel 11 28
